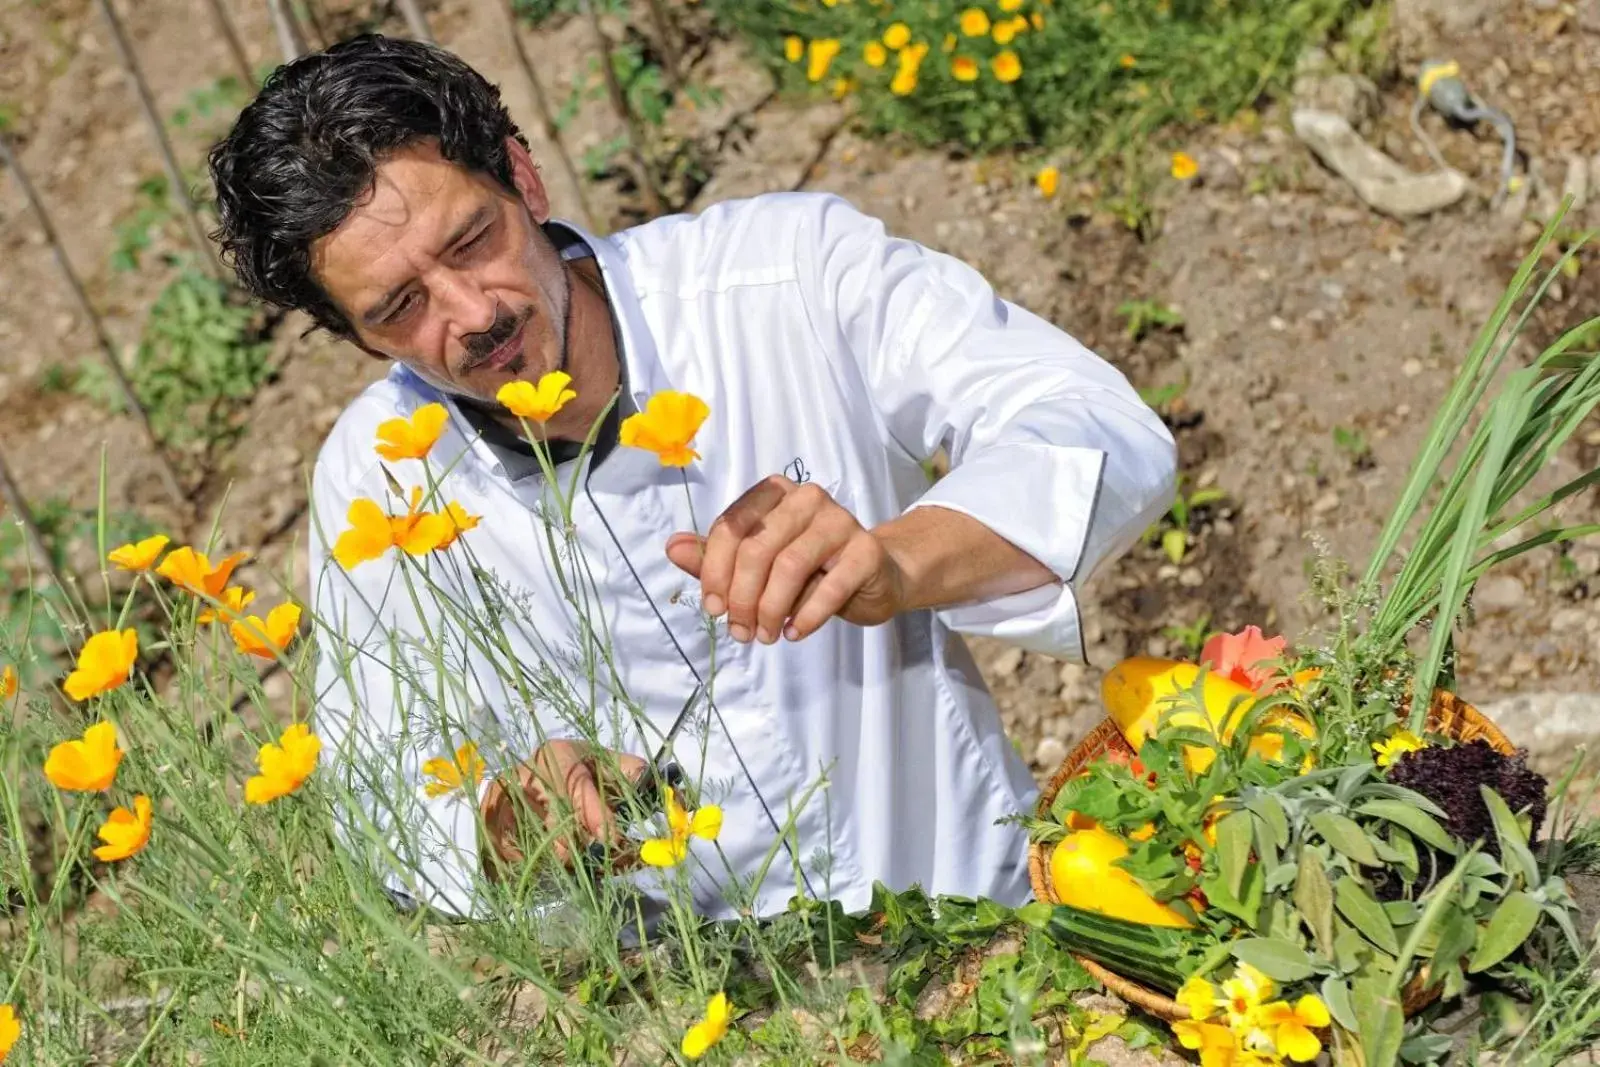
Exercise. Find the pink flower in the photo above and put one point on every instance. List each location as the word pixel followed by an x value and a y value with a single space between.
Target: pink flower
pixel 1248 658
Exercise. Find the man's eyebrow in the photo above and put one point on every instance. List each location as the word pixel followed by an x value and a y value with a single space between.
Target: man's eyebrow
pixel 371 316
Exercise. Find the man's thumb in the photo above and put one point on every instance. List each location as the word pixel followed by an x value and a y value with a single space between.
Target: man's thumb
pixel 686 551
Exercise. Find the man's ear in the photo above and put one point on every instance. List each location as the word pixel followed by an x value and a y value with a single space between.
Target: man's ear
pixel 525 176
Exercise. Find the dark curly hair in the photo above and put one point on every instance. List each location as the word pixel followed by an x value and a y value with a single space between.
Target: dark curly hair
pixel 307 148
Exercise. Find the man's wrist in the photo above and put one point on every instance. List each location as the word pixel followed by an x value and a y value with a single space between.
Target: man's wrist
pixel 946 558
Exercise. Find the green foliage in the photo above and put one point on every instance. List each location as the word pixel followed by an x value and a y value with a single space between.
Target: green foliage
pixel 202 358
pixel 1142 316
pixel 1354 444
pixel 152 211
pixel 1175 533
pixel 1099 79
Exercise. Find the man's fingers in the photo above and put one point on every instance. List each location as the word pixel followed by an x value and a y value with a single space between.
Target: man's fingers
pixel 797 569
pixel 855 567
pixel 687 551
pixel 729 529
pixel 754 557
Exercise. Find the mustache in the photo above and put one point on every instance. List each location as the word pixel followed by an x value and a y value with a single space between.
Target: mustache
pixel 480 346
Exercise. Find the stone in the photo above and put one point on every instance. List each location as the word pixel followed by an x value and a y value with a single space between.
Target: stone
pixel 1411 367
pixel 1007 663
pixel 1326 503
pixel 1498 592
pixel 1050 752
pixel 1550 725
pixel 1420 22
pixel 1383 184
pixel 1320 85
pixel 1576 184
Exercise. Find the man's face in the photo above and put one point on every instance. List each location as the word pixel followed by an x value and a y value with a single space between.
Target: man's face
pixel 448 272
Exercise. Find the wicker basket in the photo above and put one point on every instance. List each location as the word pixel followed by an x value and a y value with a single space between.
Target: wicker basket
pixel 1449 715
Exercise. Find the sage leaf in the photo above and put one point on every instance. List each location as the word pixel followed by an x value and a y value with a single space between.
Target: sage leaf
pixel 1513 842
pixel 1280 960
pixel 1457 933
pixel 1336 995
pixel 1381 1022
pixel 1365 914
pixel 1281 876
pixel 1401 912
pixel 1313 896
pixel 1508 928
pixel 1350 949
pixel 1269 810
pixel 1420 823
pixel 1347 836
pixel 1350 781
pixel 1233 849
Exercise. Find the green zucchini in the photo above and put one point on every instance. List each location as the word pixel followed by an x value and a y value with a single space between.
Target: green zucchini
pixel 1152 955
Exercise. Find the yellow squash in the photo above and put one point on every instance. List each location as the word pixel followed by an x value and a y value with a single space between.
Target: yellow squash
pixel 1137 692
pixel 1083 875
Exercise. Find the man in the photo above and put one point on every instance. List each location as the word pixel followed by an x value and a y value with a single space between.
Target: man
pixel 381 187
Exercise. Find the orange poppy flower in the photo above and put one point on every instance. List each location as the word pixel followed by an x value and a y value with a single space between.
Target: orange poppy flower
pixel 285 766
pixel 104 664
pixel 267 639
pixel 86 765
pixel 140 556
pixel 193 571
pixel 666 427
pixel 415 437
pixel 125 832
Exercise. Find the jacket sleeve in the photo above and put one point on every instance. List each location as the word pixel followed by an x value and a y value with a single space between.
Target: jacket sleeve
pixel 385 704
pixel 1050 447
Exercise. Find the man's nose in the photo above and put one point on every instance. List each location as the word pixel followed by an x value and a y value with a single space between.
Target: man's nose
pixel 468 307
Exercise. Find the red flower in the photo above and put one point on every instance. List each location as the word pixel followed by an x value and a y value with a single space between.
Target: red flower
pixel 1248 658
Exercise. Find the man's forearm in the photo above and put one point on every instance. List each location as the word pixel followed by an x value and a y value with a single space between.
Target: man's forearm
pixel 948 558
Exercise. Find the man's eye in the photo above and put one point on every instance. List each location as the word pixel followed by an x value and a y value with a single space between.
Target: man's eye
pixel 403 307
pixel 482 236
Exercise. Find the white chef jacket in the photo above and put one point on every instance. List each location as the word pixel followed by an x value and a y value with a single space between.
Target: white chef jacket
pixel 827 350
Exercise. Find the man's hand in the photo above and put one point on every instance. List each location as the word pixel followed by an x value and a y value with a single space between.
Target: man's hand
pixel 786 558
pixel 562 777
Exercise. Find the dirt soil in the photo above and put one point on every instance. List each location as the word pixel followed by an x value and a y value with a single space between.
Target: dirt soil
pixel 1303 311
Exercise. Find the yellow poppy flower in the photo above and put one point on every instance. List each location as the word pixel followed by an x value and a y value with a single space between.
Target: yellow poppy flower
pixel 1009 6
pixel 1243 995
pixel 538 403
pixel 819 57
pixel 1293 1029
pixel 267 639
pixel 368 538
pixel 88 765
pixel 284 766
pixel 793 48
pixel 104 664
pixel 897 36
pixel 234 600
pixel 1184 166
pixel 964 69
pixel 10 1030
pixel 874 54
pixel 1005 31
pixel 124 832
pixel 1048 180
pixel 842 87
pixel 699 1038
pixel 415 437
pixel 193 571
pixel 1127 62
pixel 1036 20
pixel 419 532
pixel 666 427
pixel 8 682
pixel 669 851
pixel 1006 66
pixel 1200 997
pixel 450 774
pixel 140 556
pixel 903 83
pixel 1217 1045
pixel 459 522
pixel 974 22
pixel 1396 745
